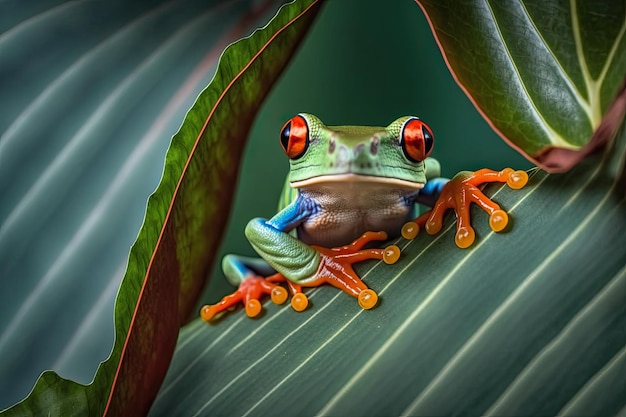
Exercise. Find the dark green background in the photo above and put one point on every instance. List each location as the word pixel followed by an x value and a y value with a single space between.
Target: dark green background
pixel 363 63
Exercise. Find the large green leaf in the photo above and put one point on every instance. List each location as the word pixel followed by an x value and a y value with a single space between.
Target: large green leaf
pixel 526 322
pixel 168 262
pixel 92 93
pixel 543 73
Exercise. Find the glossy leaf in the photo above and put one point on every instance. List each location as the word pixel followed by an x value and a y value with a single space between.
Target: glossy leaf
pixel 86 115
pixel 168 262
pixel 543 73
pixel 525 322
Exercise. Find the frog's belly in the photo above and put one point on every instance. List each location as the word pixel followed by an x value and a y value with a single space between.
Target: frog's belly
pixel 342 219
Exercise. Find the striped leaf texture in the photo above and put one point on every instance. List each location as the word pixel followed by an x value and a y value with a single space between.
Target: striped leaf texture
pixel 544 74
pixel 526 322
pixel 92 93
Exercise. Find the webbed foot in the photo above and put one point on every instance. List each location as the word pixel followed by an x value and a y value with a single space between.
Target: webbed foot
pixel 249 292
pixel 299 300
pixel 336 267
pixel 458 194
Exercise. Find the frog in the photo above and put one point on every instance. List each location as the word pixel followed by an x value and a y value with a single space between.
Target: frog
pixel 350 187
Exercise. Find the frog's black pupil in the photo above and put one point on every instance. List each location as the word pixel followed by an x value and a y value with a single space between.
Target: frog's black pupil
pixel 428 140
pixel 285 135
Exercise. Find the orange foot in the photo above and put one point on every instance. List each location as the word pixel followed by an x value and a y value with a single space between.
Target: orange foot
pixel 249 293
pixel 336 267
pixel 458 194
pixel 299 301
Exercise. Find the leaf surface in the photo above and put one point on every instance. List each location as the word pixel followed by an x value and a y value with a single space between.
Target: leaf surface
pixel 543 73
pixel 87 113
pixel 181 230
pixel 525 322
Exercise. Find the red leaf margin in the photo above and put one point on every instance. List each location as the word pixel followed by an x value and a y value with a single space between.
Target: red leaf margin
pixel 550 159
pixel 135 387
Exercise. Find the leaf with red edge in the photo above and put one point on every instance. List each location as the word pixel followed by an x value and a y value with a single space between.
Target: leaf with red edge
pixel 549 76
pixel 525 322
pixel 181 231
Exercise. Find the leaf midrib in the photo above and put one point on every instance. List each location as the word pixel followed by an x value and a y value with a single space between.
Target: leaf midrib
pixel 555 138
pixel 584 104
pixel 593 106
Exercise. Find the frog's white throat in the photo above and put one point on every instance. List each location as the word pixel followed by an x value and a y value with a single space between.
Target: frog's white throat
pixel 356 178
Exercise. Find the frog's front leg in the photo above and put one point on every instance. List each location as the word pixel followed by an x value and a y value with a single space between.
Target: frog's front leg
pixel 458 194
pixel 312 266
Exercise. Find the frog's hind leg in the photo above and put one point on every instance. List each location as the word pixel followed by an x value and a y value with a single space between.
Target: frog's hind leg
pixel 312 266
pixel 248 274
pixel 336 266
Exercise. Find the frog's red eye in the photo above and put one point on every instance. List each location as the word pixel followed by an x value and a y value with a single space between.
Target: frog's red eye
pixel 416 140
pixel 294 137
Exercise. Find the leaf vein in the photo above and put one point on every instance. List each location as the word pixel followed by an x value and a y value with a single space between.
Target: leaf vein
pixel 555 138
pixel 615 361
pixel 193 363
pixel 569 82
pixel 288 336
pixel 400 330
pixel 614 286
pixel 611 56
pixel 505 305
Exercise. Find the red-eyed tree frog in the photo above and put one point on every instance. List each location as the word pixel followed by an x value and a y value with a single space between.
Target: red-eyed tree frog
pixel 348 186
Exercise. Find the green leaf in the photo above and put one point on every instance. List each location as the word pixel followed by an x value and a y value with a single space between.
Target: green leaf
pixel 543 73
pixel 183 224
pixel 525 322
pixel 87 113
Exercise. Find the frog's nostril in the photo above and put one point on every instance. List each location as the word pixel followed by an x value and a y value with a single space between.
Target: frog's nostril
pixel 374 146
pixel 343 156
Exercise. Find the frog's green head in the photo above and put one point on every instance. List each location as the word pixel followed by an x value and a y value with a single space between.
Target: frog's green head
pixel 394 154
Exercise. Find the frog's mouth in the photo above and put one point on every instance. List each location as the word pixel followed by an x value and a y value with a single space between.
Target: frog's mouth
pixel 356 178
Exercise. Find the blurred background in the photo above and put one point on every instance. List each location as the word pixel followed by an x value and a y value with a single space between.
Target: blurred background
pixel 90 95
